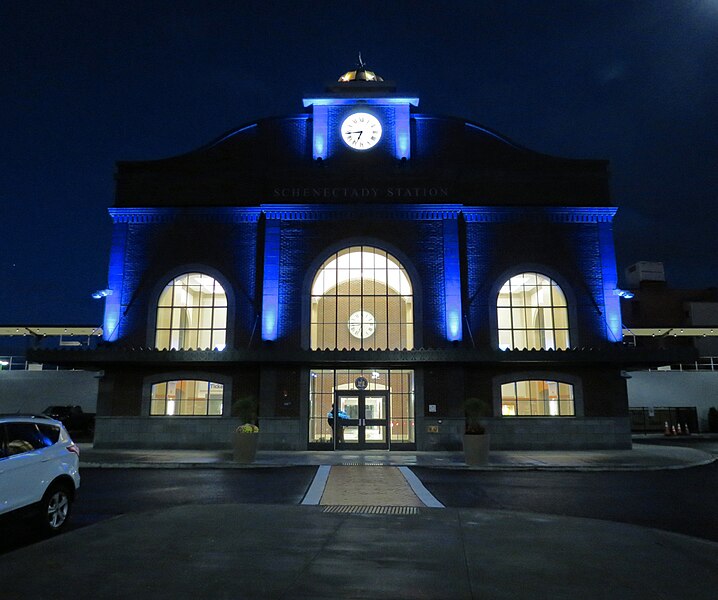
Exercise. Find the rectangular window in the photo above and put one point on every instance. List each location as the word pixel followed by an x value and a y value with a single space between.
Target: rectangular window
pixel 537 398
pixel 187 398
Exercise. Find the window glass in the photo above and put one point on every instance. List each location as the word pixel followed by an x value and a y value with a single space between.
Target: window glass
pixel 192 314
pixel 187 397
pixel 25 437
pixel 361 299
pixel 51 433
pixel 532 314
pixel 537 398
pixel 3 449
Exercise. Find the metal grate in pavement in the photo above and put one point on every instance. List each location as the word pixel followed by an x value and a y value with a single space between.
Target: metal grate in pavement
pixel 372 510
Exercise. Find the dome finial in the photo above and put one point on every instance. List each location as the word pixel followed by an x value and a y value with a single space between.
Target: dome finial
pixel 360 74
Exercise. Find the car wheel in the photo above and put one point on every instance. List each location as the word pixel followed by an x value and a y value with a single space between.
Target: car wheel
pixel 55 509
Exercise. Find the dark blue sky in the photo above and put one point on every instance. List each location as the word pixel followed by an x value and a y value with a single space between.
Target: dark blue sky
pixel 84 84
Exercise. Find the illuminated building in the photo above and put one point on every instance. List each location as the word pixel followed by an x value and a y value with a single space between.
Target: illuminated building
pixel 365 254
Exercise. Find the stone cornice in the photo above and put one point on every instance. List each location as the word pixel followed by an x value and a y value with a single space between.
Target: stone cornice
pixel 546 214
pixel 327 212
pixel 192 214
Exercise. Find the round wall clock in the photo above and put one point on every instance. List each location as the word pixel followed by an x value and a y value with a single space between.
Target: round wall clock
pixel 361 131
pixel 361 324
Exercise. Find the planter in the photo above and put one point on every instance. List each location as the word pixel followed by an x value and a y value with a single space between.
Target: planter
pixel 476 449
pixel 245 447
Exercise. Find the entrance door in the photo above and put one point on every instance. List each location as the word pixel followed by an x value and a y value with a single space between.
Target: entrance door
pixel 364 423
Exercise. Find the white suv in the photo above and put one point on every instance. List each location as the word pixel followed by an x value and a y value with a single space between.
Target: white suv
pixel 38 469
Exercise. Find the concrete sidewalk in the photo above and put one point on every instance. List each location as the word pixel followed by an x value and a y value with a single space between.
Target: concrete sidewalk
pixel 653 456
pixel 263 551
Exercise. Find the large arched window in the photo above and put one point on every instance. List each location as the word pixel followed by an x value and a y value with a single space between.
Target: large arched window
pixel 362 299
pixel 192 314
pixel 537 398
pixel 186 397
pixel 532 314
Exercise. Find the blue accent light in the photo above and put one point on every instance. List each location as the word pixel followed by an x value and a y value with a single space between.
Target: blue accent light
pixel 380 101
pixel 320 132
pixel 270 288
pixel 612 302
pixel 452 280
pixel 402 130
pixel 115 280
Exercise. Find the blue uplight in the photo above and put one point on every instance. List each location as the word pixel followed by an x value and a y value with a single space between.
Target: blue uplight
pixel 115 281
pixel 612 302
pixel 402 131
pixel 452 280
pixel 270 291
pixel 320 132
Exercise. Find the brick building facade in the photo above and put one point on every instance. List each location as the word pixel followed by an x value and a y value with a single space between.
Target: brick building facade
pixel 364 255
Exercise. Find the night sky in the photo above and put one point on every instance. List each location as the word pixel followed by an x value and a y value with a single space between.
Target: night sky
pixel 86 83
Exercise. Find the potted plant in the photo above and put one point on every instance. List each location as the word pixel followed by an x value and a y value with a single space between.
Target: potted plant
pixel 476 438
pixel 246 436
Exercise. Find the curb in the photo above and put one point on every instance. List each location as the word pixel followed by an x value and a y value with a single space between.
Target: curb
pixel 457 467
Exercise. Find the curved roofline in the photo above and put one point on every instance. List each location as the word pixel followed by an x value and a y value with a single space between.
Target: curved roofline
pixel 230 133
pixel 502 138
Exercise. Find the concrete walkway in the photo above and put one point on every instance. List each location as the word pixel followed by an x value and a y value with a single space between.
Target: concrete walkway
pixel 300 552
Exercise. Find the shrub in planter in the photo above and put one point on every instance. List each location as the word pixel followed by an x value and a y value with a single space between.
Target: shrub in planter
pixel 244 443
pixel 246 436
pixel 476 438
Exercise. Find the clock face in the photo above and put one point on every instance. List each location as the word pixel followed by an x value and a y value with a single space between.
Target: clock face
pixel 361 324
pixel 361 131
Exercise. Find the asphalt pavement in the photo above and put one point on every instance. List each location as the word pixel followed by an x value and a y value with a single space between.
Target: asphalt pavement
pixel 327 550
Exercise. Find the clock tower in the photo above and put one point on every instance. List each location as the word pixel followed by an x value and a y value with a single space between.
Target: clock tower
pixel 361 116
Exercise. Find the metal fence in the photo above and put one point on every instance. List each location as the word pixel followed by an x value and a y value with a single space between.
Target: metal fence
pixel 653 420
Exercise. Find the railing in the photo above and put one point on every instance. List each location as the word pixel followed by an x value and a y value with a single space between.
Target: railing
pixel 20 363
pixel 705 363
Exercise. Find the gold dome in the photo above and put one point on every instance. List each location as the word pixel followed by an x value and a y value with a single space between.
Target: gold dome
pixel 360 74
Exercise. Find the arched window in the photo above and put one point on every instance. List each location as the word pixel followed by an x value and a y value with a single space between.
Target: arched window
pixel 532 314
pixel 192 314
pixel 537 398
pixel 362 299
pixel 187 397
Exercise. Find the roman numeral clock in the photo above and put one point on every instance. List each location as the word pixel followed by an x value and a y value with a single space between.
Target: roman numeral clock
pixel 361 131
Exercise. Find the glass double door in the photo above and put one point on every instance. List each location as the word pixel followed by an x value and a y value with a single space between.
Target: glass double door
pixel 363 420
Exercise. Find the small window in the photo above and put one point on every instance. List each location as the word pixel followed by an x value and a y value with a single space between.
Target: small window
pixel 51 433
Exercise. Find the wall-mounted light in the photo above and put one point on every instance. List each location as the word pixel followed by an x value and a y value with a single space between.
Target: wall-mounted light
pixel 101 294
pixel 624 293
